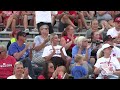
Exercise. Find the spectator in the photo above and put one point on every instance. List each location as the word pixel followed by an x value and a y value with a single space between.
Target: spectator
pixel 48 70
pixel 115 51
pixel 40 41
pixel 11 17
pixel 6 63
pixel 67 39
pixel 66 18
pixel 44 17
pixel 94 28
pixel 115 30
pixel 55 52
pixel 21 51
pixel 82 47
pixel 28 19
pixel 78 71
pixel 60 73
pixel 12 37
pixel 107 67
pixel 19 72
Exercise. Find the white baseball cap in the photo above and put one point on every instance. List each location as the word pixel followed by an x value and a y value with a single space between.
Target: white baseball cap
pixel 106 46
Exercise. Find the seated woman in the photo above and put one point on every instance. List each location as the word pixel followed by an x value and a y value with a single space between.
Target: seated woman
pixel 19 72
pixel 48 69
pixel 82 47
pixel 56 53
pixel 10 18
pixel 107 67
pixel 67 39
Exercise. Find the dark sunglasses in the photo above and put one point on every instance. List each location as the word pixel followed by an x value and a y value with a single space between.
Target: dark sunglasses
pixel 1 52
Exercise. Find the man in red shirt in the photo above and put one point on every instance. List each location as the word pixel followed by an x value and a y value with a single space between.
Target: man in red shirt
pixel 6 63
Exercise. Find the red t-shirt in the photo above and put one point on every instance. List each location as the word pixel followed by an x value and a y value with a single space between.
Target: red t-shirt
pixel 68 40
pixel 41 77
pixel 7 66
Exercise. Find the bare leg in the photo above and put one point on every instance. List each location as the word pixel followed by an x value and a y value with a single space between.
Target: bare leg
pixel 9 21
pixel 81 16
pixel 25 21
pixel 65 19
pixel 13 25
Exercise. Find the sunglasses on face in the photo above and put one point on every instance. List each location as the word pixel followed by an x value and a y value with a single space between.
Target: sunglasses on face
pixel 1 52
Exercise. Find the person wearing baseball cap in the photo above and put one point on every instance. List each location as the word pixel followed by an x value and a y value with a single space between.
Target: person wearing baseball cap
pixel 115 50
pixel 115 30
pixel 107 66
pixel 21 52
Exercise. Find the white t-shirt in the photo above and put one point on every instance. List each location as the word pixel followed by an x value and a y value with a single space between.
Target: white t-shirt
pixel 113 32
pixel 43 16
pixel 115 52
pixel 111 62
pixel 13 77
pixel 48 50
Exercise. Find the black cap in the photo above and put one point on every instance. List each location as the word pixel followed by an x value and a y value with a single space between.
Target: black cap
pixel 108 38
pixel 21 33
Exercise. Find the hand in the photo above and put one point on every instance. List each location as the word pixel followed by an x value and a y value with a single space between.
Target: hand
pixel 88 46
pixel 27 45
pixel 54 75
pixel 53 49
pixel 47 39
pixel 61 49
pixel 26 73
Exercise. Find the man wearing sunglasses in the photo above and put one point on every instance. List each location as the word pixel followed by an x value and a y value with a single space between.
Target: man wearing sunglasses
pixel 21 51
pixel 6 63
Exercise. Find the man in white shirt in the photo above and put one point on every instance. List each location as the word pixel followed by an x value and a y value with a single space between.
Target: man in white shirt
pixel 115 30
pixel 44 17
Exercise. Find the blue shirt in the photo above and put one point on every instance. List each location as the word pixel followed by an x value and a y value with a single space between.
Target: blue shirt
pixel 75 52
pixel 78 71
pixel 14 47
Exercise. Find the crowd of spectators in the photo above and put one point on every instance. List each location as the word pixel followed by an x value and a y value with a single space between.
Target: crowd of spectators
pixel 96 55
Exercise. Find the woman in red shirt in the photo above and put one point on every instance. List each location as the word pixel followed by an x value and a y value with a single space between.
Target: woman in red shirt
pixel 67 39
pixel 47 72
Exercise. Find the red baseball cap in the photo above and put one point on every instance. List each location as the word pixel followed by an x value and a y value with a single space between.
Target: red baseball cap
pixel 117 19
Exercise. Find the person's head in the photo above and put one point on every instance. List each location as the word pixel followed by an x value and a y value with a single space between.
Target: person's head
pixel 48 68
pixel 81 41
pixel 95 35
pixel 54 38
pixel 3 51
pixel 69 30
pixel 109 40
pixel 105 50
pixel 14 33
pixel 44 30
pixel 79 58
pixel 94 24
pixel 117 21
pixel 21 36
pixel 61 70
pixel 18 68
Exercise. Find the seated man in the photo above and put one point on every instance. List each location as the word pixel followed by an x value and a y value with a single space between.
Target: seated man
pixel 21 51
